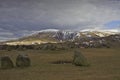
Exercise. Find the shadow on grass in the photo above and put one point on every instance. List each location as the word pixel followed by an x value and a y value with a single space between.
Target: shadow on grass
pixel 61 62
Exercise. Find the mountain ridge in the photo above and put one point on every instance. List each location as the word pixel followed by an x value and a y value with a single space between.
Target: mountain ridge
pixel 57 36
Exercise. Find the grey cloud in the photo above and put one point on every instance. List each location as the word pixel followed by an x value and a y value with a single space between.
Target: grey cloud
pixel 66 12
pixel 29 15
pixel 6 33
pixel 77 12
pixel 6 38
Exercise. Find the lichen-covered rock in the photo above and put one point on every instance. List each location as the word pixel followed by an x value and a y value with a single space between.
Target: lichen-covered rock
pixel 79 59
pixel 6 62
pixel 23 61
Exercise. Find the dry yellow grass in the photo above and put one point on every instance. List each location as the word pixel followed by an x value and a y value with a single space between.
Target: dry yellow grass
pixel 105 65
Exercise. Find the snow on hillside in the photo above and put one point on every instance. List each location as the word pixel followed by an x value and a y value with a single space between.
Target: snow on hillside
pixel 54 36
pixel 71 35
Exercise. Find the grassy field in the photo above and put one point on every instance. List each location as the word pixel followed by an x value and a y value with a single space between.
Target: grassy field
pixel 105 65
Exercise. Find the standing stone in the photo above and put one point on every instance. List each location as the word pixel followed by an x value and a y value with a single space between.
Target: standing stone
pixel 79 59
pixel 23 61
pixel 6 62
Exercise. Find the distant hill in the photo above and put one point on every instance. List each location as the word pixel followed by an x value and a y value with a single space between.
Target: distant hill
pixel 57 36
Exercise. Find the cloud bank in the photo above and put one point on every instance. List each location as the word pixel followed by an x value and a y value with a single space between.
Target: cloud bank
pixel 20 17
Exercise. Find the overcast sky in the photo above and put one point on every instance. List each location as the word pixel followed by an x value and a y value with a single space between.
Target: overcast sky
pixel 21 17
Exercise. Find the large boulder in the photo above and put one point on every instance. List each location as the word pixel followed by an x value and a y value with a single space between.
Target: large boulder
pixel 23 61
pixel 6 62
pixel 79 59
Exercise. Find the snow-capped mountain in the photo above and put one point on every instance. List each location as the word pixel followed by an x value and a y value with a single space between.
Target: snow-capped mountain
pixel 55 36
pixel 72 35
pixel 66 35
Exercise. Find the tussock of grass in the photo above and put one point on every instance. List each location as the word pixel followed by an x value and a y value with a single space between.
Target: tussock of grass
pixel 79 59
pixel 6 62
pixel 23 61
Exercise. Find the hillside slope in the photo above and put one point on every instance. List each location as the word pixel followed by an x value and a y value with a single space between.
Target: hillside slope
pixel 56 36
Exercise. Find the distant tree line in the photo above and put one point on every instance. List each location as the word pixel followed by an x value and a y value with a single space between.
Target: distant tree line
pixel 53 46
pixel 48 46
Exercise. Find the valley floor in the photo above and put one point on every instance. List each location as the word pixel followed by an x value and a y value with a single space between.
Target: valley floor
pixel 105 65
